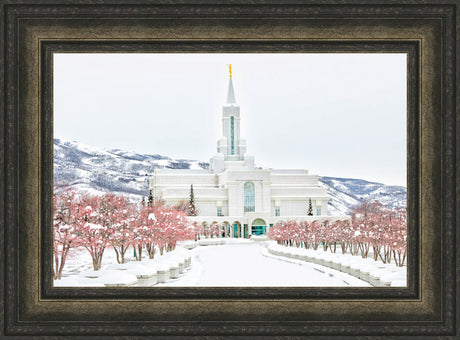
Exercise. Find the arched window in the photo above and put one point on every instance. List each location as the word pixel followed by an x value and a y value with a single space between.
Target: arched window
pixel 249 197
pixel 232 135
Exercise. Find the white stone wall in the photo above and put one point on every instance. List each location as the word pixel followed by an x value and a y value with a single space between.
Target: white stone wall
pixel 228 187
pixel 298 192
pixel 206 207
pixel 183 178
pixel 293 207
pixel 311 180
pixel 229 111
pixel 324 207
pixel 199 192
pixel 234 203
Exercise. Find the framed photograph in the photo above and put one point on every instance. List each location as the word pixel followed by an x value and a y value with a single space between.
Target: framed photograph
pixel 225 220
pixel 253 166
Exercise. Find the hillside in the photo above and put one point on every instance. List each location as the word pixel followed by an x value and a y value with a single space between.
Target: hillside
pixel 96 171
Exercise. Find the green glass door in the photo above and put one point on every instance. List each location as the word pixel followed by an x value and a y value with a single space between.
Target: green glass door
pixel 258 229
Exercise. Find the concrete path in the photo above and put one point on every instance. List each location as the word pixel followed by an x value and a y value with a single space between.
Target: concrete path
pixel 245 263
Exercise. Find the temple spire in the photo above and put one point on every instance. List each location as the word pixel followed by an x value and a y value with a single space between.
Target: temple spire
pixel 231 92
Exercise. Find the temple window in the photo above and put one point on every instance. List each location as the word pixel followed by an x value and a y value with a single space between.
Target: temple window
pixel 249 197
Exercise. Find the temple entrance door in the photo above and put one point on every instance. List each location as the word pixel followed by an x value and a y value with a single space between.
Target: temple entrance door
pixel 259 227
pixel 226 229
pixel 237 230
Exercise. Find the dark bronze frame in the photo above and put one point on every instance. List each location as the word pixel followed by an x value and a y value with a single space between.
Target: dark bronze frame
pixel 32 33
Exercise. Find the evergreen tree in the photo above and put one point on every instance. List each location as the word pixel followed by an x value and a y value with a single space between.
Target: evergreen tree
pixel 191 204
pixel 310 208
pixel 150 198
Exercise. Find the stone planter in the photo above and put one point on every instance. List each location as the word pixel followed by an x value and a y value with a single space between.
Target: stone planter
pixel 116 280
pixel 336 264
pixel 364 274
pixel 275 252
pixel 321 259
pixel 174 270
pixel 181 266
pixel 313 258
pixel 146 280
pixel 354 270
pixel 163 274
pixel 345 266
pixel 300 256
pixel 385 283
pixel 304 257
pixel 374 278
pixel 328 262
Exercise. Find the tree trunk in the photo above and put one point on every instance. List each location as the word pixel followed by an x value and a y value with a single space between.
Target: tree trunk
pixel 116 252
pixel 122 253
pixel 150 250
pixel 139 248
pixel 333 249
pixel 100 262
pixel 56 265
pixel 364 250
pixel 376 252
pixel 65 251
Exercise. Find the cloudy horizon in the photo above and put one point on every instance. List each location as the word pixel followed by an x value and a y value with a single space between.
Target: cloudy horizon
pixel 338 115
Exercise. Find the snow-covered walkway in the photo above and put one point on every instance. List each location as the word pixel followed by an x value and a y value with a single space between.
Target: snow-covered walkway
pixel 247 263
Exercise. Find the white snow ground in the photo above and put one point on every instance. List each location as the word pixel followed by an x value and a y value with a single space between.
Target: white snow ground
pixel 234 263
pixel 245 263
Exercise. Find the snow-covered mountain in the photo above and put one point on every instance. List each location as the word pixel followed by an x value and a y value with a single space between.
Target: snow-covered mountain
pixel 346 193
pixel 96 171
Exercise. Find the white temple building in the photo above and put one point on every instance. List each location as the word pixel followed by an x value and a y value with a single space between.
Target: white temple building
pixel 233 192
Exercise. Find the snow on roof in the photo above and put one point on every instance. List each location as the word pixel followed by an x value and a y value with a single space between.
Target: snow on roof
pixel 183 171
pixel 289 171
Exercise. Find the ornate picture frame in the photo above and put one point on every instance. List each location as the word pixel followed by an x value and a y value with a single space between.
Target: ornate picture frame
pixel 34 32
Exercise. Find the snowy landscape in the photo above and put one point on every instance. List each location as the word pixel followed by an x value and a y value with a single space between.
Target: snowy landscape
pixel 305 255
pixel 95 170
pixel 124 205
pixel 234 263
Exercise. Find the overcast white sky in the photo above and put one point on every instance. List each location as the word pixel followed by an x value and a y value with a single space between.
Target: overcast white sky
pixel 341 115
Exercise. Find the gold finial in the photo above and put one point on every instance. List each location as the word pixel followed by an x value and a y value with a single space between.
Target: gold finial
pixel 230 69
